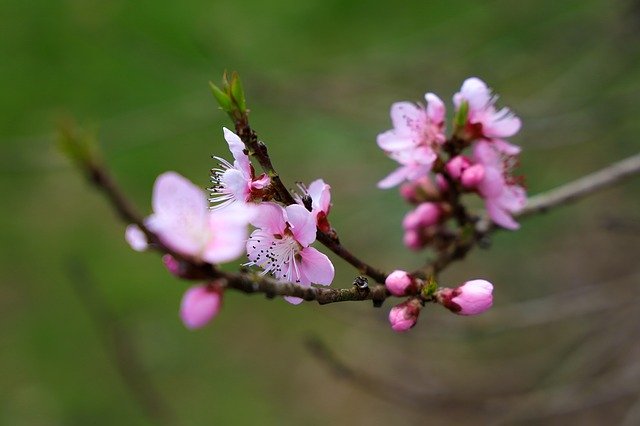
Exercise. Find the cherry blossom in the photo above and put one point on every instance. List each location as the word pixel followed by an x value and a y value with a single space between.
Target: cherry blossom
pixel 237 182
pixel 414 140
pixel 483 120
pixel 280 246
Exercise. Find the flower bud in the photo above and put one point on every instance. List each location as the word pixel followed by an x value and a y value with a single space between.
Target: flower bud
pixel 472 298
pixel 426 214
pixel 400 283
pixel 456 166
pixel 200 304
pixel 405 315
pixel 472 176
pixel 413 240
pixel 172 264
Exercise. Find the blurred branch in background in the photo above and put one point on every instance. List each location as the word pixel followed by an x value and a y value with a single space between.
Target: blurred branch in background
pixel 119 347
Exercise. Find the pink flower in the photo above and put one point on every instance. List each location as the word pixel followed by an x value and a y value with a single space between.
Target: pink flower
pixel 280 246
pixel 320 194
pixel 405 315
pixel 483 120
pixel 235 183
pixel 502 192
pixel 413 142
pixel 400 283
pixel 472 298
pixel 183 222
pixel 426 214
pixel 200 304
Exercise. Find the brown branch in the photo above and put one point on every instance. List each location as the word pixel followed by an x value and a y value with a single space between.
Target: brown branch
pixel 255 283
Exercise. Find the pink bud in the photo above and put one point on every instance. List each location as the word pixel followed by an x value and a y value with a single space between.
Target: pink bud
pixel 472 176
pixel 426 214
pixel 456 166
pixel 442 183
pixel 472 298
pixel 412 240
pixel 405 315
pixel 408 192
pixel 171 264
pixel 200 304
pixel 400 283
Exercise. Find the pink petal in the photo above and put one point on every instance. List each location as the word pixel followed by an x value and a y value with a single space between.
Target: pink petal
pixel 270 217
pixel 506 147
pixel 199 305
pixel 394 178
pixel 407 118
pixel 392 141
pixel 500 216
pixel 316 266
pixel 435 108
pixel 180 214
pixel 237 147
pixel 320 194
pixel 293 300
pixel 475 92
pixel 136 238
pixel 303 224
pixel 228 233
pixel 237 184
pixel 504 127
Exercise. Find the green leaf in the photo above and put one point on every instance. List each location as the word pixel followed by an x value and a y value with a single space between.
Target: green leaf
pixel 461 115
pixel 237 92
pixel 223 99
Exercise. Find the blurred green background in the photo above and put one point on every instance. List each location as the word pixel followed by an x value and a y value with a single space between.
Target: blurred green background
pixel 560 346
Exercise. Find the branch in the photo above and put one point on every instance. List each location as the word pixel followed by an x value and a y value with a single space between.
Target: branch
pixel 249 283
pixel 582 187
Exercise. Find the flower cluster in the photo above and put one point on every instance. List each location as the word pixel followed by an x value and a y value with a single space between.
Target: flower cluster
pixel 433 166
pixel 195 232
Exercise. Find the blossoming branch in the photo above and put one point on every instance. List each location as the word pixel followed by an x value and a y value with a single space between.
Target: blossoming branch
pixel 253 214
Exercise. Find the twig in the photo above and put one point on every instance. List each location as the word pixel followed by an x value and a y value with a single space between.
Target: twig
pixel 255 283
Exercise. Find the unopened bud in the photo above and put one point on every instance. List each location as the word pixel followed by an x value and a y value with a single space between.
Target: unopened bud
pixel 400 283
pixel 200 304
pixel 456 166
pixel 472 176
pixel 172 264
pixel 472 298
pixel 405 315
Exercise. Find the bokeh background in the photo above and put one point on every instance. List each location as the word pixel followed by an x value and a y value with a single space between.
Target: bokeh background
pixel 89 332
